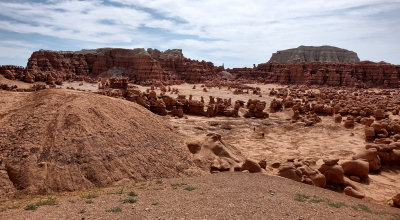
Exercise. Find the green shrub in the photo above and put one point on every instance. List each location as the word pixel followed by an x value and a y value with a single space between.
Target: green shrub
pixel 115 209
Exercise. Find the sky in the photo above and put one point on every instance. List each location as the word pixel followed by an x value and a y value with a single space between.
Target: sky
pixel 236 33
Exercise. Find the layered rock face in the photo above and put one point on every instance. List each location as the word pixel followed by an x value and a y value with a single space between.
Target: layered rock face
pixel 171 67
pixel 315 54
pixel 12 72
pixel 138 65
pixel 362 74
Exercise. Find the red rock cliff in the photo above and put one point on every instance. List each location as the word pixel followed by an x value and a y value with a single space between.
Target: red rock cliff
pixel 138 65
pixel 361 74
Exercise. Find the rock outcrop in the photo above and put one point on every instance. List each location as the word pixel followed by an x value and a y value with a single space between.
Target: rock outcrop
pixel 138 65
pixel 171 67
pixel 364 74
pixel 315 54
pixel 211 154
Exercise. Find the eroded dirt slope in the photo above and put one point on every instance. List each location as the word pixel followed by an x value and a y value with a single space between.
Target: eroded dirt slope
pixel 60 140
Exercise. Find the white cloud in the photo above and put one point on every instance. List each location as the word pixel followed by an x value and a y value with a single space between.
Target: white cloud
pixel 14 52
pixel 235 31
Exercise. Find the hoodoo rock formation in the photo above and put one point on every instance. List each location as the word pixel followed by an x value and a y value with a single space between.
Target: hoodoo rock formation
pixel 138 65
pixel 171 67
pixel 362 74
pixel 315 54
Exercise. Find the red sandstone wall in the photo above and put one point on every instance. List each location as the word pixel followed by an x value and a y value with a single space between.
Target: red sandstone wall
pixel 139 67
pixel 362 74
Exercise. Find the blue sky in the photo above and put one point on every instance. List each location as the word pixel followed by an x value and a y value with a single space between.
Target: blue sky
pixel 234 32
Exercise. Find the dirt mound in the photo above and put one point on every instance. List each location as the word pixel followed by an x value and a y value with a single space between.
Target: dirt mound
pixel 59 140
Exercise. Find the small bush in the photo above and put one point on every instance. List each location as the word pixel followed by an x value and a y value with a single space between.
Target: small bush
pixel 336 204
pixel 50 201
pixel 176 185
pixel 316 199
pixel 34 206
pixel 90 196
pixel 89 201
pixel 301 197
pixel 31 207
pixel 115 209
pixel 190 188
pixel 82 211
pixel 361 207
pixel 131 193
pixel 364 208
pixel 159 181
pixel 130 200
pixel 154 203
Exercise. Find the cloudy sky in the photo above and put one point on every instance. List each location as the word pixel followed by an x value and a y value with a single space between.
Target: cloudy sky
pixel 234 32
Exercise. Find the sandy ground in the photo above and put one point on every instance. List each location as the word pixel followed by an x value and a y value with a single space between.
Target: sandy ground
pixel 224 93
pixel 283 140
pixel 20 84
pixel 216 196
pixel 77 85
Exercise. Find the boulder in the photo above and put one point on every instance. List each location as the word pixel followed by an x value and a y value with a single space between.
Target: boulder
pixel 263 164
pixel 369 133
pixel 394 157
pixel 379 114
pixel 371 156
pixel 252 166
pixel 349 122
pixel 358 168
pixel 396 200
pixel 290 172
pixel 311 176
pixel 338 118
pixel 367 121
pixel 211 154
pixel 331 161
pixel 333 174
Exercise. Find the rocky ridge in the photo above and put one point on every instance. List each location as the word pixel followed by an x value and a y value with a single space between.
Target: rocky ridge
pixel 315 54
pixel 170 67
pixel 139 65
pixel 364 74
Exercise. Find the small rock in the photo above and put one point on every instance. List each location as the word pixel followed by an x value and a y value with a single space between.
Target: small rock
pixel 353 193
pixel 355 178
pixel 276 165
pixel 338 118
pixel 330 161
pixel 396 200
pixel 263 164
pixel 291 159
pixel 369 133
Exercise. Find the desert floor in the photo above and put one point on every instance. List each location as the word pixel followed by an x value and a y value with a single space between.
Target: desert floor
pixel 235 195
pixel 214 196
